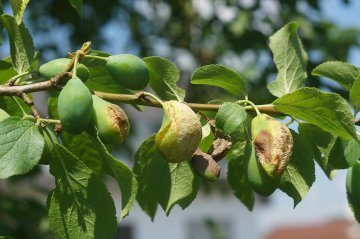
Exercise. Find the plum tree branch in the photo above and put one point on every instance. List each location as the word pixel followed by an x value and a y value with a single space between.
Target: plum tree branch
pixel 138 99
pixel 132 99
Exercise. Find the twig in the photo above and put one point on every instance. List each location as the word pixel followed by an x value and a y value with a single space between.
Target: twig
pixel 51 84
pixel 30 103
pixel 136 100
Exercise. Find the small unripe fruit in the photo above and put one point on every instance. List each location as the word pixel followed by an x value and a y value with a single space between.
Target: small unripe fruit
pixel 110 120
pixel 205 166
pixel 3 115
pixel 54 67
pixel 29 118
pixel 258 179
pixel 75 106
pixel 129 71
pixel 180 132
pixel 273 144
pixel 353 183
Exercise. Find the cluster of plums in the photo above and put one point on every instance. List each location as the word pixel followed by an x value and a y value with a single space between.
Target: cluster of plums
pixel 77 107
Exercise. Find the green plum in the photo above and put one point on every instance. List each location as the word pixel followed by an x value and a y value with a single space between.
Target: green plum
pixel 75 106
pixel 129 71
pixel 257 177
pixel 54 67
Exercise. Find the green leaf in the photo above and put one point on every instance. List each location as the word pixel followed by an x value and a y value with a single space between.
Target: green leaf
pixel 6 70
pixel 183 188
pixel 21 146
pixel 80 206
pixel 220 76
pixel 18 7
pixel 354 206
pixel 22 48
pixel 163 78
pixel 8 104
pixel 299 175
pixel 344 154
pixel 237 180
pixel 355 95
pixel 343 73
pixel 77 4
pixel 290 59
pixel 328 111
pixel 122 174
pixel 101 80
pixel 168 183
pixel 126 180
pixel 322 143
pixel 143 158
pixel 229 117
pixel 84 149
pixel 207 138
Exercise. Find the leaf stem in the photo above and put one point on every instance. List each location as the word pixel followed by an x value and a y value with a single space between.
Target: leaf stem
pixel 49 121
pixel 19 105
pixel 141 94
pixel 49 136
pixel 96 57
pixel 250 103
pixel 13 79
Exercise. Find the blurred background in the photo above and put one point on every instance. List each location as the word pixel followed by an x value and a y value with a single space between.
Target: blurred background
pixel 193 33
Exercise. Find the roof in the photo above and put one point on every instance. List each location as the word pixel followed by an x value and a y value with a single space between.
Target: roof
pixel 339 229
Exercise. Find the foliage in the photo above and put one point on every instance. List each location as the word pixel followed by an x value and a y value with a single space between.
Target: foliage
pixel 80 205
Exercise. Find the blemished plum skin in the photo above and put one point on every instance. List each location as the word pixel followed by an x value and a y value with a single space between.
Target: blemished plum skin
pixel 110 120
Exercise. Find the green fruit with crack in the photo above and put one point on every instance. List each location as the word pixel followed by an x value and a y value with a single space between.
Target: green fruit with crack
pixel 75 106
pixel 353 184
pixel 260 182
pixel 110 120
pixel 46 155
pixel 205 166
pixel 180 132
pixel 129 71
pixel 273 144
pixel 3 115
pixel 54 67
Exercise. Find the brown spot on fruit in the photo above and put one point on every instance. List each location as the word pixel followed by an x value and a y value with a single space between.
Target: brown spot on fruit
pixel 273 144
